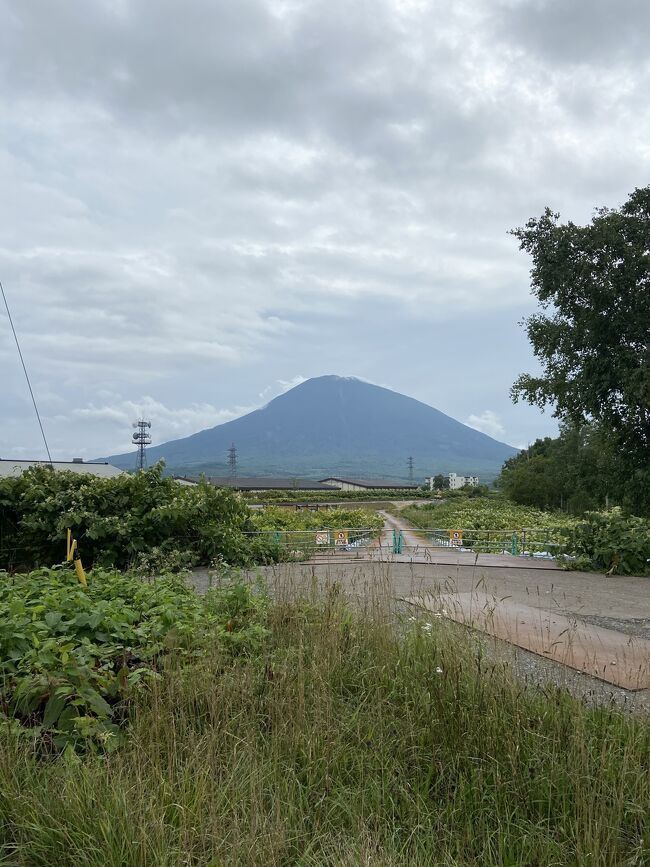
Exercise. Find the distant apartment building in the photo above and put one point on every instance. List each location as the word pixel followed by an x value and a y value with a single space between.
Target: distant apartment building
pixel 457 482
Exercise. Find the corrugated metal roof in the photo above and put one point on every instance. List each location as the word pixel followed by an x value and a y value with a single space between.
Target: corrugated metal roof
pixel 261 484
pixel 10 467
pixel 377 484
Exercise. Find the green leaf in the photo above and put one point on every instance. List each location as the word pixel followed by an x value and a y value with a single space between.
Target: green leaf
pixel 53 709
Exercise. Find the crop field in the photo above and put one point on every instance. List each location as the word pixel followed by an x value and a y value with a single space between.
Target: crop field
pixel 142 724
pixel 609 541
pixel 485 513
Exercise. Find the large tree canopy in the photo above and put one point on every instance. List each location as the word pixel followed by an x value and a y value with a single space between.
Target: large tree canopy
pixel 592 334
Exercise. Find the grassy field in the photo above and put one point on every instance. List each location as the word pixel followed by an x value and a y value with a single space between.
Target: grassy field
pixel 329 735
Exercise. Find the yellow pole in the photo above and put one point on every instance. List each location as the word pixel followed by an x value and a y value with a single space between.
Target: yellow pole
pixel 73 554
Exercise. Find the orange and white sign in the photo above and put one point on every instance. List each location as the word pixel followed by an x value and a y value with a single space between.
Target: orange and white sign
pixel 323 537
pixel 456 538
pixel 341 537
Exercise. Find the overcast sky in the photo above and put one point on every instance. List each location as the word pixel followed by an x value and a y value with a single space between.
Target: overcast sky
pixel 206 201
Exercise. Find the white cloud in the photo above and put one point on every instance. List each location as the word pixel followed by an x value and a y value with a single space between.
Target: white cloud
pixel 115 420
pixel 488 422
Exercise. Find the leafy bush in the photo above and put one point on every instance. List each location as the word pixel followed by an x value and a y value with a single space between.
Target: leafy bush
pixel 613 542
pixel 117 520
pixel 71 657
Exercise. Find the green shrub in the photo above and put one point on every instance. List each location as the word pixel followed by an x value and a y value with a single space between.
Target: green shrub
pixel 117 520
pixel 71 657
pixel 613 542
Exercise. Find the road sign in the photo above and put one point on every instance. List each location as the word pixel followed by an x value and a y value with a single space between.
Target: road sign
pixel 323 537
pixel 456 538
pixel 341 537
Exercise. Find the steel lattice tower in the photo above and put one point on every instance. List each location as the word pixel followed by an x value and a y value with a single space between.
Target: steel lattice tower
pixel 410 466
pixel 142 439
pixel 232 461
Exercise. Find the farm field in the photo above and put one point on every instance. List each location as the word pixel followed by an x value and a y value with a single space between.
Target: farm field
pixel 609 541
pixel 148 725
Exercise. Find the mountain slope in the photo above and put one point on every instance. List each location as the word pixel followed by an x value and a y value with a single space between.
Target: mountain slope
pixel 333 424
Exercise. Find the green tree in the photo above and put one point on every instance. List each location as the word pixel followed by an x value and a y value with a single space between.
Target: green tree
pixel 592 333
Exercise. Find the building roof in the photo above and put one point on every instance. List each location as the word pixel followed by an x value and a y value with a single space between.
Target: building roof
pixel 261 484
pixel 14 467
pixel 375 484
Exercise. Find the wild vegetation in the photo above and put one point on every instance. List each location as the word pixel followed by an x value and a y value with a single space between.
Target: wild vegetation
pixel 274 518
pixel 122 520
pixel 492 512
pixel 379 494
pixel 292 731
pixel 73 657
pixel 608 541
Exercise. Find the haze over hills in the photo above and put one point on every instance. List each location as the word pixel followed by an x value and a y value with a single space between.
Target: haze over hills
pixel 335 425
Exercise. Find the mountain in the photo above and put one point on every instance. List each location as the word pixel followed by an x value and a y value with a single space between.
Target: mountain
pixel 335 425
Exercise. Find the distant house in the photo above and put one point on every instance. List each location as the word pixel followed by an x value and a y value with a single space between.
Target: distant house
pixel 457 482
pixel 13 467
pixel 367 485
pixel 260 485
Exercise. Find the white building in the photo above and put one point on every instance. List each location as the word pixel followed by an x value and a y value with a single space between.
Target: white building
pixel 458 482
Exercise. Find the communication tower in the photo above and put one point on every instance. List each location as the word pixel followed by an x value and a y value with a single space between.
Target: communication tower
pixel 410 466
pixel 142 439
pixel 232 462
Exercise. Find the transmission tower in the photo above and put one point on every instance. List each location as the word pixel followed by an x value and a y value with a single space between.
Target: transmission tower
pixel 410 466
pixel 142 439
pixel 232 462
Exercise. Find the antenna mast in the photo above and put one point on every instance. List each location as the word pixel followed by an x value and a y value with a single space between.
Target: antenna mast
pixel 232 462
pixel 142 439
pixel 410 466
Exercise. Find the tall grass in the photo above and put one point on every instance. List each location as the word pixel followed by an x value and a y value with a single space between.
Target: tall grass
pixel 356 738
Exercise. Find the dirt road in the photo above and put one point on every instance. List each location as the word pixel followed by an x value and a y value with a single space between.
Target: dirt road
pixel 587 631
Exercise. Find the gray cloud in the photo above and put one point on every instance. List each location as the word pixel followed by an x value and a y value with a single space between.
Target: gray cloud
pixel 593 32
pixel 201 197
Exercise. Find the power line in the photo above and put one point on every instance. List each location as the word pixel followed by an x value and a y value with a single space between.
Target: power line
pixel 29 385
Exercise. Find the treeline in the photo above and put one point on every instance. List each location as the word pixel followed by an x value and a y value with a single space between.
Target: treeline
pixel 584 469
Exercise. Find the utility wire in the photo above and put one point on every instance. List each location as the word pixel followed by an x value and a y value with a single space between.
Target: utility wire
pixel 22 361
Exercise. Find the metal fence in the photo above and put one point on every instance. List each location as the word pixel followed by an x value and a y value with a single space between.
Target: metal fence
pixel 305 544
pixel 545 542
pixel 528 541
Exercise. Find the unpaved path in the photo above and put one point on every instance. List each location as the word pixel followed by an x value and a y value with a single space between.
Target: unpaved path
pixel 588 631
pixel 416 550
